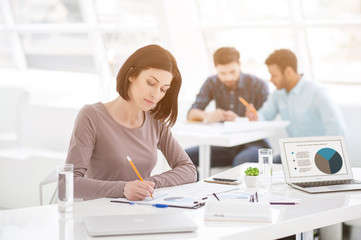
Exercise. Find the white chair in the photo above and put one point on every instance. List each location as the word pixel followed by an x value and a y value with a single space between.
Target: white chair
pixel 51 178
pixel 20 176
pixel 44 138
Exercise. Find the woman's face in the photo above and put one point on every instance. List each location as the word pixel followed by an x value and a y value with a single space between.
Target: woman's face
pixel 149 87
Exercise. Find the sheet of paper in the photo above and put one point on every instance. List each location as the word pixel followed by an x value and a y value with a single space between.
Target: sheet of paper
pixel 196 190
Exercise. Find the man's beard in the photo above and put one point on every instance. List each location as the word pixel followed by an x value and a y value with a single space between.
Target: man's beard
pixel 231 86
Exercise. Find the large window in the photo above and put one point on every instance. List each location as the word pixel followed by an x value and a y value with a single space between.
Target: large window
pixel 331 9
pixel 78 35
pixel 335 53
pixel 46 11
pixel 6 56
pixel 51 38
pixel 138 13
pixel 323 33
pixel 253 27
pixel 86 41
pixel 58 51
pixel 126 26
pixel 238 11
pixel 334 38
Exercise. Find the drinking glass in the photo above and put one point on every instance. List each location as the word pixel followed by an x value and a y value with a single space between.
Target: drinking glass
pixel 265 161
pixel 65 182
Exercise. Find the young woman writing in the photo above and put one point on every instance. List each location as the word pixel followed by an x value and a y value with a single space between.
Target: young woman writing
pixel 135 124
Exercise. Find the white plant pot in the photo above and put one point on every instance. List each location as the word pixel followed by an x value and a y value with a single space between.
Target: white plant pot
pixel 251 181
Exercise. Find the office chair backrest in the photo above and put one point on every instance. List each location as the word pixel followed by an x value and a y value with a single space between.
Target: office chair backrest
pixel 47 127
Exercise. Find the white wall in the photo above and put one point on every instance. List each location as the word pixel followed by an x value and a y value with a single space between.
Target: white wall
pixel 352 117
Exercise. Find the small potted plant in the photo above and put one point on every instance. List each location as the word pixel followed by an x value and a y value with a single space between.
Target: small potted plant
pixel 251 177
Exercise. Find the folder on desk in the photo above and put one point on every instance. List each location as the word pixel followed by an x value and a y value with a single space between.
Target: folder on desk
pixel 176 202
pixel 190 196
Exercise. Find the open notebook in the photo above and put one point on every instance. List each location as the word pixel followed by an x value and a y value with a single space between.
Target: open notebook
pixel 317 164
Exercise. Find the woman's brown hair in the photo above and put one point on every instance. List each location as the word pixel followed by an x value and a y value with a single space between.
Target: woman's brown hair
pixel 153 56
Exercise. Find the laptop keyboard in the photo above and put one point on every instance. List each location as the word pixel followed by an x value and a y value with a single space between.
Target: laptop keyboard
pixel 326 183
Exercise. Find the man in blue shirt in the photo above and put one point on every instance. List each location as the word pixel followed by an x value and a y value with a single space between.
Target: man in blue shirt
pixel 225 88
pixel 305 104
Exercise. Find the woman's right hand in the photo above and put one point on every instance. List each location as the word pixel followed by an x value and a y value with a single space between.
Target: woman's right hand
pixel 138 190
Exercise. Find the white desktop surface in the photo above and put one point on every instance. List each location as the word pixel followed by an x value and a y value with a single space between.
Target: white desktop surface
pixel 314 211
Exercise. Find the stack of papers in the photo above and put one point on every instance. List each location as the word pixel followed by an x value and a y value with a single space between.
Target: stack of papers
pixel 242 196
pixel 233 210
pixel 238 206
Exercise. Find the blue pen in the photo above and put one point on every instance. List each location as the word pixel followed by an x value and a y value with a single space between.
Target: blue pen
pixel 157 205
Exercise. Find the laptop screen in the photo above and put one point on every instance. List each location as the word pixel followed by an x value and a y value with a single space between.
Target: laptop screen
pixel 315 159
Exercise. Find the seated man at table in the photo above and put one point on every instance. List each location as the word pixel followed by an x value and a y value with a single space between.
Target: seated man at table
pixel 225 88
pixel 307 106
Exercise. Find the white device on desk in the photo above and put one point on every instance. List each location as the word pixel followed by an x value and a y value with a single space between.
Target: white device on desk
pixel 230 181
pixel 317 164
pixel 138 224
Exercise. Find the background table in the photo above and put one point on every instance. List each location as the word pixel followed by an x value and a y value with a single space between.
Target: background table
pixel 217 135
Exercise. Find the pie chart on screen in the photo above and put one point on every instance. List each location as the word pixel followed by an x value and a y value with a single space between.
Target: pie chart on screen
pixel 328 160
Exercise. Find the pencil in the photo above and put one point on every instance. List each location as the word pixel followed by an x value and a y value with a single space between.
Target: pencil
pixel 245 103
pixel 136 171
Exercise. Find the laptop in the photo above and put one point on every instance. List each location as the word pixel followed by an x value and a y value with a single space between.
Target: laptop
pixel 138 224
pixel 317 164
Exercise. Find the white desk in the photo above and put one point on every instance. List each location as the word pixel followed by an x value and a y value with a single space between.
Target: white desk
pixel 207 136
pixel 314 211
